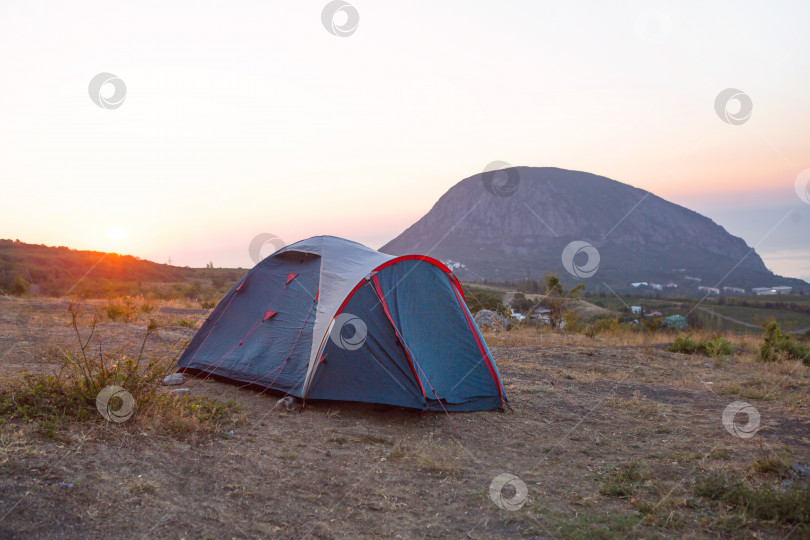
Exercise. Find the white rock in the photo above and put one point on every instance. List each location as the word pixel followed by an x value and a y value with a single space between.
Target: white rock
pixel 173 379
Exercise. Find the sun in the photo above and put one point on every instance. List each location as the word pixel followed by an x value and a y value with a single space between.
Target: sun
pixel 117 233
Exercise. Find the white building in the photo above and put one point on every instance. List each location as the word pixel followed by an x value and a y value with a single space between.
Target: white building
pixel 762 291
pixel 520 317
pixel 710 290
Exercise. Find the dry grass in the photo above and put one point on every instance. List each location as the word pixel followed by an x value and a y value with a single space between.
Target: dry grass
pixel 437 459
pixel 611 435
pixel 639 404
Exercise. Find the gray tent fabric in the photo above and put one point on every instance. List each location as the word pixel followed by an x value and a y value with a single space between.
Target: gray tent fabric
pixel 343 265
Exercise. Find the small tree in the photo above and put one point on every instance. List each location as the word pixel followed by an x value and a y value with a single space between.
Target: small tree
pixel 777 345
pixel 521 303
pixel 557 298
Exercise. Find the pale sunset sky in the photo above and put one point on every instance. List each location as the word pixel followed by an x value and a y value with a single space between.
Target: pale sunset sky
pixel 242 118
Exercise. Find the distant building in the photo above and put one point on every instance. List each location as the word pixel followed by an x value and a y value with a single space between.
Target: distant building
pixel 655 314
pixel 639 284
pixel 733 290
pixel 635 309
pixel 675 321
pixel 453 265
pixel 690 278
pixel 657 286
pixel 762 291
pixel 710 290
pixel 541 314
pixel 671 285
pixel 520 317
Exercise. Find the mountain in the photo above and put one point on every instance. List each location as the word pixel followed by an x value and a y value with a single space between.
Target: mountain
pixel 519 222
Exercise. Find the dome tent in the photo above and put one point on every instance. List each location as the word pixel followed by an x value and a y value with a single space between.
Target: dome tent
pixel 327 318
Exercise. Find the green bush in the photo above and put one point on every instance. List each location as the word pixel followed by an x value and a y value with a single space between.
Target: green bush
pixel 778 346
pixel 684 344
pixel 71 396
pixel 716 347
pixel 478 299
pixel 765 503
pixel 521 304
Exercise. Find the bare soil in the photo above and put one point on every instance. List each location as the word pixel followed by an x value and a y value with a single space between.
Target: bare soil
pixel 580 408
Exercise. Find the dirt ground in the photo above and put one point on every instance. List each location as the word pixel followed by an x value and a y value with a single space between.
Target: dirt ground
pixel 580 408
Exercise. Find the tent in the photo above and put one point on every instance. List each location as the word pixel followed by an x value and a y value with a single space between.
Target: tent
pixel 327 318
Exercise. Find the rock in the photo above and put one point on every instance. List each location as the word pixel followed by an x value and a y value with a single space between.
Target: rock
pixel 800 470
pixel 287 403
pixel 180 391
pixel 489 319
pixel 174 379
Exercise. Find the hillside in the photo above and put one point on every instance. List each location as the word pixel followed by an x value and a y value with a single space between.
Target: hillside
pixel 518 228
pixel 56 271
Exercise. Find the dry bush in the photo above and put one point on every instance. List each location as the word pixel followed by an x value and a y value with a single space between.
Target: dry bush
pixel 53 400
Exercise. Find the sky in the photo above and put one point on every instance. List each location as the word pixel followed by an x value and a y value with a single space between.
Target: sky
pixel 243 118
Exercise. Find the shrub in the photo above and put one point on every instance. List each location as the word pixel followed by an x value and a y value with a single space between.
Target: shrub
pixel 478 299
pixel 777 346
pixel 765 503
pixel 125 310
pixel 521 304
pixel 774 462
pixel 573 322
pixel 684 344
pixel 716 347
pixel 19 286
pixel 624 480
pixel 652 325
pixel 193 290
pixel 188 323
pixel 147 306
pixel 71 396
pixel 606 324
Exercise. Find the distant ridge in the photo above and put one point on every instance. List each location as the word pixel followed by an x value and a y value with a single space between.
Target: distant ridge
pixel 56 271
